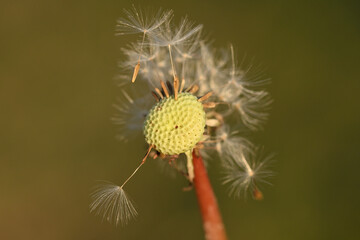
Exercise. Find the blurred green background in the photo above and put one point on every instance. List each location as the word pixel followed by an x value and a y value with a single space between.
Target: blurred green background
pixel 58 62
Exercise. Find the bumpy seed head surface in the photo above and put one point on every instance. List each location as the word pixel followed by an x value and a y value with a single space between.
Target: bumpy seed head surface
pixel 175 126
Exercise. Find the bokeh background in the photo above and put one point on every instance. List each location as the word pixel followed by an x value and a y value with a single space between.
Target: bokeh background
pixel 58 60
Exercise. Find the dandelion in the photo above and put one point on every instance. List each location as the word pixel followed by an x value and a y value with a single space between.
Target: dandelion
pixel 198 102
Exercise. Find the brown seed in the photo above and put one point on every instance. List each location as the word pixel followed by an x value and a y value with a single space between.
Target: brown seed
pixel 257 194
pixel 164 88
pixel 155 96
pixel 136 71
pixel 209 105
pixel 193 89
pixel 159 93
pixel 206 96
pixel 176 86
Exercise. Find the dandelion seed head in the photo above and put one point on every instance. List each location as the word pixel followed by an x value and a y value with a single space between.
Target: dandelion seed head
pixel 175 126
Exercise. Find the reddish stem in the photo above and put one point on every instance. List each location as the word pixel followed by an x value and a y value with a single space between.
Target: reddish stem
pixel 212 222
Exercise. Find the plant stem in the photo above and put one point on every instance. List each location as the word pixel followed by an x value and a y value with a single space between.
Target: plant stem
pixel 212 221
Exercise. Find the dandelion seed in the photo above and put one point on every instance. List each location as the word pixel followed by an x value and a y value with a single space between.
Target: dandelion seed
pixel 253 108
pixel 138 23
pixel 243 172
pixel 113 204
pixel 229 142
pixel 183 34
pixel 132 53
pixel 227 80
